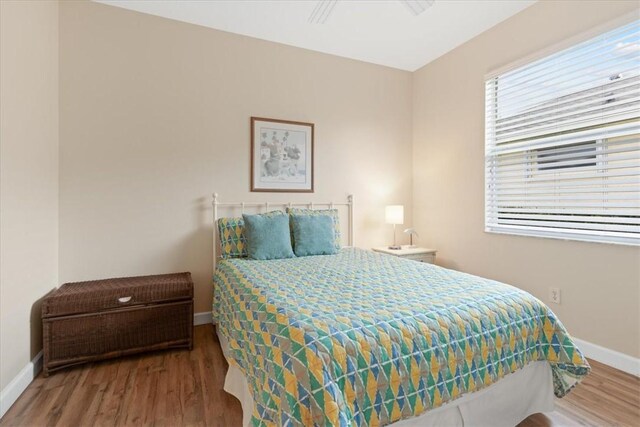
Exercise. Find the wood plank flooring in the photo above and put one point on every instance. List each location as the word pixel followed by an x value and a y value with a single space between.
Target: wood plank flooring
pixel 176 388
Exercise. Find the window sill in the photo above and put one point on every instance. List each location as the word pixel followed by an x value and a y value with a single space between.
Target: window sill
pixel 568 236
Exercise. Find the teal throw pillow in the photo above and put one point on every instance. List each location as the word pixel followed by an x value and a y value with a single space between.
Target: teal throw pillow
pixel 332 213
pixel 268 236
pixel 313 235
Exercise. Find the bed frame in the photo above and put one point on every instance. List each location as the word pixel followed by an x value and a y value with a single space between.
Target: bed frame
pixel 257 207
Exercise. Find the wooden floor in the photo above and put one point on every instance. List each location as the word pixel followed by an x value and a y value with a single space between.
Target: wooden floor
pixel 185 388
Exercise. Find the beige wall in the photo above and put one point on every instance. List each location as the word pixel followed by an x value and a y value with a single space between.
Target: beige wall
pixel 600 283
pixel 154 117
pixel 28 176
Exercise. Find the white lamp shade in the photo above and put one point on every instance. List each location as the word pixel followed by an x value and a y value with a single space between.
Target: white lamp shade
pixel 394 214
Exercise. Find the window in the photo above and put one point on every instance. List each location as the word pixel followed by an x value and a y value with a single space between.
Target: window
pixel 562 143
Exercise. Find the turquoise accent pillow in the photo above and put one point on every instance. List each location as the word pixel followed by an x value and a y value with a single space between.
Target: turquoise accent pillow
pixel 268 236
pixel 233 242
pixel 332 213
pixel 313 234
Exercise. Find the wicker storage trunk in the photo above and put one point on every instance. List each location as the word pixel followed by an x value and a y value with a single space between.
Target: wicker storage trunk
pixel 88 321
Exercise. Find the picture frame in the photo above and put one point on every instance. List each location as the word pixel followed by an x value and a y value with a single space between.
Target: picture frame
pixel 281 156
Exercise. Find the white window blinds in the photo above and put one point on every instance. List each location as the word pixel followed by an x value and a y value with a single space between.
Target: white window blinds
pixel 562 143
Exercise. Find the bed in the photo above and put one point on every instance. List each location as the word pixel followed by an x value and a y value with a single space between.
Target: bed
pixel 362 338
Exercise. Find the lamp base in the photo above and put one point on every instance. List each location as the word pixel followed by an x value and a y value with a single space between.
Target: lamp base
pixel 395 247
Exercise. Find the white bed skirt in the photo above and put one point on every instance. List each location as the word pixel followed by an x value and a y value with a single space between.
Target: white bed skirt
pixel 505 403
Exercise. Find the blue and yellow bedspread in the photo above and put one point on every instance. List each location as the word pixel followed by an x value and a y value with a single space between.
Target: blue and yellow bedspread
pixel 361 338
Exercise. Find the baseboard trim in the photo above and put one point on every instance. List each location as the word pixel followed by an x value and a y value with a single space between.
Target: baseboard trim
pixel 19 383
pixel 204 318
pixel 17 386
pixel 615 359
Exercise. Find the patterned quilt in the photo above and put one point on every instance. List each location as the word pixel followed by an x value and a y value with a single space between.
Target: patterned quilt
pixel 361 338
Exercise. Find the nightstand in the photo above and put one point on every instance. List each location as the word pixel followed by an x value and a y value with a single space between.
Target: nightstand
pixel 415 254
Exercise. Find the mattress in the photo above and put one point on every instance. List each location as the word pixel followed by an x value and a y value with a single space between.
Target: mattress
pixel 361 338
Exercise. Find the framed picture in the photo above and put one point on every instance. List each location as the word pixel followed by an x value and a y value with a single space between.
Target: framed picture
pixel 281 156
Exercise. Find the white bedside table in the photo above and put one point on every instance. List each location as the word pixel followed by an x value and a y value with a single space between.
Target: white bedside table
pixel 415 254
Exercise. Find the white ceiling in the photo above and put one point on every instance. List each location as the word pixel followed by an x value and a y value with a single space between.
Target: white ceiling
pixel 383 32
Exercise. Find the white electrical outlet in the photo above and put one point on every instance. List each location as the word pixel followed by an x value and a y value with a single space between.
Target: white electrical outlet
pixel 554 295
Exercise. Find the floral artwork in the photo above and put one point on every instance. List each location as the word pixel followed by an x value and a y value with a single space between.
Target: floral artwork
pixel 282 154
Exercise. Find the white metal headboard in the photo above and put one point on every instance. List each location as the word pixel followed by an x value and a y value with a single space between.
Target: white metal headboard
pixel 276 205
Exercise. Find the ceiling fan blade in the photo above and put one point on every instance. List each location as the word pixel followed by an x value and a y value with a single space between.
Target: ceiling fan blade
pixel 321 12
pixel 417 6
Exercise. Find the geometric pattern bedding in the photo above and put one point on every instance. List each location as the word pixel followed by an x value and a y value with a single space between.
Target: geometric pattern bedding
pixel 365 339
pixel 233 242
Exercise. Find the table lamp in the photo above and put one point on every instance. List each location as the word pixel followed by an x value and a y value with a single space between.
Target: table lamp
pixel 394 214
